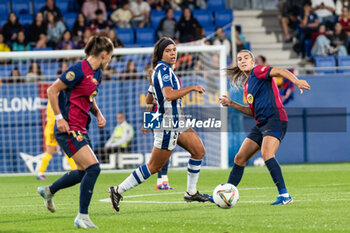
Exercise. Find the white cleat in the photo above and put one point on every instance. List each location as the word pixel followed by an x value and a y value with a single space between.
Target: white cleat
pixel 44 191
pixel 84 221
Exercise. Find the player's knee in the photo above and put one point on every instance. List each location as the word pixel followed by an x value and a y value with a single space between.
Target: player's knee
pixel 154 168
pixel 239 160
pixel 94 169
pixel 198 153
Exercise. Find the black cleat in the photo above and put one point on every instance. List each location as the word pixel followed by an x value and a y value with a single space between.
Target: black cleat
pixel 115 198
pixel 196 197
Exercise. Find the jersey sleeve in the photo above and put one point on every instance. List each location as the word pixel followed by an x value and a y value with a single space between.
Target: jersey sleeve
pixel 262 72
pixel 164 73
pixel 151 89
pixel 73 76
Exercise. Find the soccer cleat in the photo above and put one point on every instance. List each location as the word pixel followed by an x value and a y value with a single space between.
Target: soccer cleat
pixel 164 186
pixel 115 198
pixel 41 177
pixel 196 197
pixel 44 191
pixel 283 200
pixel 84 222
pixel 211 199
pixel 159 187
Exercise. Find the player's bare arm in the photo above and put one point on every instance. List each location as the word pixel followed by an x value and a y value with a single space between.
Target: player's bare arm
pixel 227 102
pixel 52 93
pixel 101 121
pixel 171 94
pixel 301 84
pixel 149 99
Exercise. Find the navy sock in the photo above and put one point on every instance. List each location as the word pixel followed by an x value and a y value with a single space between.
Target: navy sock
pixel 236 175
pixel 69 179
pixel 165 168
pixel 159 175
pixel 87 187
pixel 276 174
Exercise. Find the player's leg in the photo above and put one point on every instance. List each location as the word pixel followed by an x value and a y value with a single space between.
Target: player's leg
pixel 50 150
pixel 165 180
pixel 190 141
pixel 159 185
pixel 269 147
pixel 247 150
pixel 138 176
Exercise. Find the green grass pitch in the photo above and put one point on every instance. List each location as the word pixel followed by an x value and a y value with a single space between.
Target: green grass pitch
pixel 321 193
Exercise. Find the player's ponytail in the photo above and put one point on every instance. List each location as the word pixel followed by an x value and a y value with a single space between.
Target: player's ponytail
pixel 237 76
pixel 98 44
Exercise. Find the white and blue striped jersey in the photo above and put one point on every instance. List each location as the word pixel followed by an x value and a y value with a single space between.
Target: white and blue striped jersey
pixel 164 76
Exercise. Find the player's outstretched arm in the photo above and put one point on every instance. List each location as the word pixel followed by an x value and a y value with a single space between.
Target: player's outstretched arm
pixel 101 121
pixel 171 94
pixel 227 102
pixel 52 93
pixel 301 84
pixel 149 99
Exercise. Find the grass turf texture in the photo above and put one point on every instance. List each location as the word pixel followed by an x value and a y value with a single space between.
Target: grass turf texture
pixel 321 193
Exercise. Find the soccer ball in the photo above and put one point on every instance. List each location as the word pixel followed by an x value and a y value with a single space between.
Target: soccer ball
pixel 259 162
pixel 226 195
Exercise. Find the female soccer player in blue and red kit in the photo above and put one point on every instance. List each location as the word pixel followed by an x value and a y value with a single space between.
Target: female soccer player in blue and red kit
pixel 72 97
pixel 266 107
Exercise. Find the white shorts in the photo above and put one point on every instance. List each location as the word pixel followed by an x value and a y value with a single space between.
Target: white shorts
pixel 165 139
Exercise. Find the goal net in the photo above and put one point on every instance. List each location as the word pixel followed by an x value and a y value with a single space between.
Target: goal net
pixel 23 101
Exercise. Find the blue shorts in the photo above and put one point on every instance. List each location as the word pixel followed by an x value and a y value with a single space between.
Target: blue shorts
pixel 273 128
pixel 72 142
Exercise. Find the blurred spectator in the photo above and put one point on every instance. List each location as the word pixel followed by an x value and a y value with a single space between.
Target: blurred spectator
pixel 187 26
pixel 140 10
pixel 324 10
pixel 37 32
pixel 166 4
pixel 55 29
pixel 308 24
pixel 15 76
pixel 114 38
pixel 51 6
pixel 3 46
pixel 66 40
pixel 84 39
pixel 130 71
pixel 199 33
pixel 89 8
pixel 11 28
pixel 115 4
pixel 221 39
pixel 339 40
pixel 184 62
pixel 79 27
pixel 21 44
pixel 121 17
pixel 148 69
pixel 344 20
pixel 240 39
pixel 261 60
pixel 290 10
pixel 63 68
pixel 108 73
pixel 34 72
pixel 167 26
pixel 99 25
pixel 320 43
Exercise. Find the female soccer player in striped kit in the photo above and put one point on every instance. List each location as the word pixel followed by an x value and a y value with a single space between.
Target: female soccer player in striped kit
pixel 168 93
pixel 266 107
pixel 71 98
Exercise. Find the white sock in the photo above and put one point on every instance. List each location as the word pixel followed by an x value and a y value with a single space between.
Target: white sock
pixel 159 181
pixel 193 169
pixel 83 216
pixel 138 176
pixel 165 179
pixel 284 194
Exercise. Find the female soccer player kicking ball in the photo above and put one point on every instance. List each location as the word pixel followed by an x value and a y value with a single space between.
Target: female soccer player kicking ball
pixel 72 97
pixel 168 95
pixel 266 107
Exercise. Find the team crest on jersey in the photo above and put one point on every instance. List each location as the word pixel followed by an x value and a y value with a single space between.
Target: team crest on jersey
pixel 250 98
pixel 94 81
pixel 166 78
pixel 262 69
pixel 70 76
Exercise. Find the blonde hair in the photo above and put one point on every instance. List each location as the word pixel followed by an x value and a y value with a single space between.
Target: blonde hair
pixel 236 74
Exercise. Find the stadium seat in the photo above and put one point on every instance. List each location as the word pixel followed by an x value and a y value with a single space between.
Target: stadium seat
pixel 3 20
pixel 308 47
pixel 69 19
pixel 38 4
pixel 325 62
pixel 20 7
pixel 216 4
pixel 156 17
pixel 177 15
pixel 4 8
pixel 204 17
pixel 126 35
pixel 223 17
pixel 145 36
pixel 26 19
pixel 210 30
pixel 343 61
pixel 63 5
